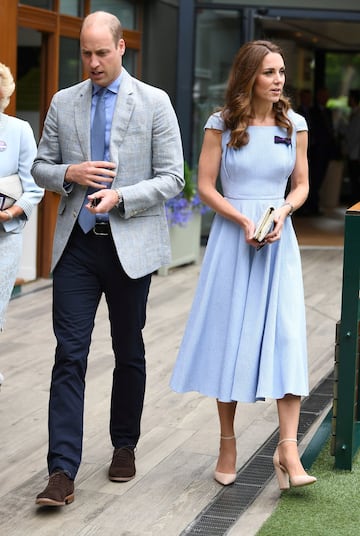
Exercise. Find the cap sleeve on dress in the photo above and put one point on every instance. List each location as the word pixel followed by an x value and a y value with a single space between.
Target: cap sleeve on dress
pixel 298 121
pixel 215 122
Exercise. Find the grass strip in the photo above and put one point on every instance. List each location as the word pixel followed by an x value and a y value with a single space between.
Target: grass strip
pixel 330 507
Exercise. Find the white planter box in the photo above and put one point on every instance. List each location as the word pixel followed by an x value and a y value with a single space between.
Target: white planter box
pixel 185 244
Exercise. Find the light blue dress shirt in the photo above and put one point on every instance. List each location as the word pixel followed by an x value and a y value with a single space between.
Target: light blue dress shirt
pixel 110 101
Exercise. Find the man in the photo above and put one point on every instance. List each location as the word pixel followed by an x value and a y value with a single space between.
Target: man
pixel 352 141
pixel 322 148
pixel 305 97
pixel 111 234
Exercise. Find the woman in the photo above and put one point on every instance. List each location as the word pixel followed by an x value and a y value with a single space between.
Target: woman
pixel 17 152
pixel 246 335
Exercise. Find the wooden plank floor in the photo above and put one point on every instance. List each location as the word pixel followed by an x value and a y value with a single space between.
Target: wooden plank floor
pixel 178 448
pixel 321 231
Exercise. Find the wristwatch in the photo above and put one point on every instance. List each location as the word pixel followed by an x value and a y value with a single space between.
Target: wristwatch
pixel 120 203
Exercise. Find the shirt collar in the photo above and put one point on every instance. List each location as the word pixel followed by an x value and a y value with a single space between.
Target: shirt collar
pixel 113 87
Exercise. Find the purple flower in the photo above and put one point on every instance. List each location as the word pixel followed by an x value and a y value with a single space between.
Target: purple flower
pixel 179 210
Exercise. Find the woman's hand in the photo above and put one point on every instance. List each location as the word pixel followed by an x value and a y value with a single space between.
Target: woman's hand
pixel 4 216
pixel 249 230
pixel 9 213
pixel 280 216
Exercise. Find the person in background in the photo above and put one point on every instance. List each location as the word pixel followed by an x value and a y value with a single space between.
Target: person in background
pixel 305 97
pixel 245 339
pixel 17 152
pixel 352 145
pixel 322 148
pixel 111 148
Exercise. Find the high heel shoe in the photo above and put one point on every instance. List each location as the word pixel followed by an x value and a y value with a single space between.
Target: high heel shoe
pixel 284 479
pixel 225 478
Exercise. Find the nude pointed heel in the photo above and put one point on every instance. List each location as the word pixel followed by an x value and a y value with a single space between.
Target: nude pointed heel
pixel 225 478
pixel 283 476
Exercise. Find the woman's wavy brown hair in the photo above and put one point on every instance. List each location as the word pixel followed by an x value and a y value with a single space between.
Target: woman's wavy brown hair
pixel 237 110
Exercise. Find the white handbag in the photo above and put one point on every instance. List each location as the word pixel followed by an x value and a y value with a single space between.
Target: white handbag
pixel 264 224
pixel 10 190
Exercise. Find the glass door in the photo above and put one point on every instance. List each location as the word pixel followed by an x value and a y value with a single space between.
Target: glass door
pixel 341 74
pixel 218 37
pixel 28 90
pixel 28 78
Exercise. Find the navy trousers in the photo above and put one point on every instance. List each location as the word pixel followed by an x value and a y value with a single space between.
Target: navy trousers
pixel 88 268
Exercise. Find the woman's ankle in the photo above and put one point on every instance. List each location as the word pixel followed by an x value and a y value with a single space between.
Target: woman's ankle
pixel 227 455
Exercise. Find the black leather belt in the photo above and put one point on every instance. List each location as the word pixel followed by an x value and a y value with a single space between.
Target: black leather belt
pixel 101 228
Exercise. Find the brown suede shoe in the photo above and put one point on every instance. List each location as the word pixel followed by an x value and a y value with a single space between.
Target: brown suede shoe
pixel 122 468
pixel 58 492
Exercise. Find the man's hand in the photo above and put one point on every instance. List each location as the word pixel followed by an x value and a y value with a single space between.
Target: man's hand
pixel 105 200
pixel 92 173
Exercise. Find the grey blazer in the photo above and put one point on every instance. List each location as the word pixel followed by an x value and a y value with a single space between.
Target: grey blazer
pixel 146 146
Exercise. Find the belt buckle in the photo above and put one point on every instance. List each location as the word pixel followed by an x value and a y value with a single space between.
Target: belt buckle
pixel 101 228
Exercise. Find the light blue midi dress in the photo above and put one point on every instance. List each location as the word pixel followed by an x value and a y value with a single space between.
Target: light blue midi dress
pixel 245 338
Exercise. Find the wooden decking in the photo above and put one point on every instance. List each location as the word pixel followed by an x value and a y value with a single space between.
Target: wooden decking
pixel 178 448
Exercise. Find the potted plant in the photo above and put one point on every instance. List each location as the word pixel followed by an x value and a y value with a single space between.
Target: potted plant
pixel 184 213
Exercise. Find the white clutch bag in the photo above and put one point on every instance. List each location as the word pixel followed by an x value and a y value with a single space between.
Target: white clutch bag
pixel 264 224
pixel 10 190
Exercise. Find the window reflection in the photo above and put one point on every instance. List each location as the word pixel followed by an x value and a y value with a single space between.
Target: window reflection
pixel 123 9
pixel 45 4
pixel 70 64
pixel 130 61
pixel 212 64
pixel 28 77
pixel 71 7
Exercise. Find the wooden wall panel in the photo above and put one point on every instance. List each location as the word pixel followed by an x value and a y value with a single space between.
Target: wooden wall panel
pixel 8 42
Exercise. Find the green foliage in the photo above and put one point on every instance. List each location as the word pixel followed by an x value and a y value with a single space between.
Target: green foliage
pixel 189 190
pixel 180 209
pixel 342 72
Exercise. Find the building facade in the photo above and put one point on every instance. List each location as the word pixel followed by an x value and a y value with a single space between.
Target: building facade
pixel 183 46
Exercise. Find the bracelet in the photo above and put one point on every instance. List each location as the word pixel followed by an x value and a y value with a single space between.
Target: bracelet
pixel 8 213
pixel 291 208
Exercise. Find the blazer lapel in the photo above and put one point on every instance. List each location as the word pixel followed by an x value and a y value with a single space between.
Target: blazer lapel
pixel 122 114
pixel 82 119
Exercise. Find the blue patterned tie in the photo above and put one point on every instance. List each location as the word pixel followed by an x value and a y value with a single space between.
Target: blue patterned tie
pixel 86 219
